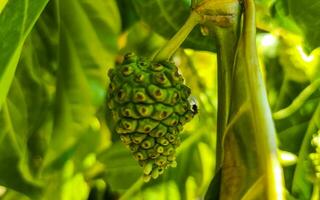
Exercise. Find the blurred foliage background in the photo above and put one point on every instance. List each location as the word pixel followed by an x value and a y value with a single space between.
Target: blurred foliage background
pixel 55 136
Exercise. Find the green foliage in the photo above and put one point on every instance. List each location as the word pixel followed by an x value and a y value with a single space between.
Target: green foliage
pixel 307 16
pixel 56 136
pixel 17 20
pixel 49 116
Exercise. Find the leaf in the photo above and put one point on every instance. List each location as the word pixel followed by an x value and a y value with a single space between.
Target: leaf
pixel 214 187
pixel 36 77
pixel 307 16
pixel 13 168
pixel 20 116
pixel 3 4
pixel 13 195
pixel 49 116
pixel 283 19
pixel 16 21
pixel 129 16
pixel 166 17
pixel 161 191
pixel 142 40
pixel 196 150
pixel 122 170
pixel 87 47
pixel 75 183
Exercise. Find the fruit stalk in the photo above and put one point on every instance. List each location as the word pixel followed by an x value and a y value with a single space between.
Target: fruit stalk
pixel 175 42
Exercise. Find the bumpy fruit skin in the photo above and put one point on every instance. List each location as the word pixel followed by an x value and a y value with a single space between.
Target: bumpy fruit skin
pixel 149 103
pixel 315 156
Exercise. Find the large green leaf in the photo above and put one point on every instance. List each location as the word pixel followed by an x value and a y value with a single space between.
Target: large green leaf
pixel 49 118
pixel 122 170
pixel 16 21
pixel 12 195
pixel 3 4
pixel 167 16
pixel 128 15
pixel 14 167
pixel 87 47
pixel 307 16
pixel 142 40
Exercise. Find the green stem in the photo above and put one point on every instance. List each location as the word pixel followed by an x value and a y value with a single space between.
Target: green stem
pixel 299 178
pixel 298 102
pixel 175 42
pixel 227 42
pixel 222 18
pixel 133 189
pixel 282 95
pixel 265 131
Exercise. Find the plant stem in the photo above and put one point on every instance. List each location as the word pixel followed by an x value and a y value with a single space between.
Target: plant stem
pixel 298 102
pixel 248 152
pixel 227 42
pixel 299 177
pixel 265 131
pixel 134 188
pixel 174 43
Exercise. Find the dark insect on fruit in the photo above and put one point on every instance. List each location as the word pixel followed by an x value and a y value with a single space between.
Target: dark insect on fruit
pixel 194 105
pixel 194 109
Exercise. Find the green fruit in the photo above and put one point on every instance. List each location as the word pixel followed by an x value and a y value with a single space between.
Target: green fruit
pixel 149 102
pixel 315 156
